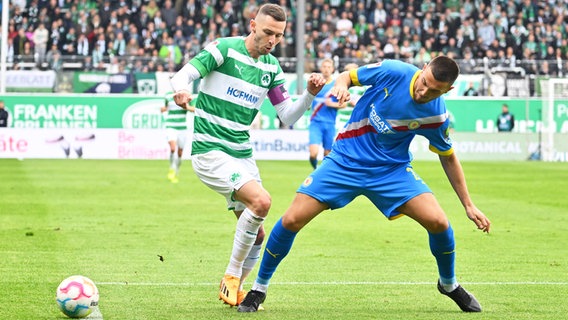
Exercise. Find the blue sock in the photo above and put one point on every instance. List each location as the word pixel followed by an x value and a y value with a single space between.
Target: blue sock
pixel 314 162
pixel 277 247
pixel 443 247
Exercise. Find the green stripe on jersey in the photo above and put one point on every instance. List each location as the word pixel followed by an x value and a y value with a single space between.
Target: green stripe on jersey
pixel 176 117
pixel 233 87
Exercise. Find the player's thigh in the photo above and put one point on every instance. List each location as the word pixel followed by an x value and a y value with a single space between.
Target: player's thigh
pixel 253 195
pixel 171 135
pixel 302 210
pixel 181 138
pixel 316 133
pixel 328 136
pixel 426 210
pixel 332 184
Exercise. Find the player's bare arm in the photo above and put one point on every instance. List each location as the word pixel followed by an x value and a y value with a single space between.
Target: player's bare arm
pixel 454 172
pixel 341 88
pixel 316 81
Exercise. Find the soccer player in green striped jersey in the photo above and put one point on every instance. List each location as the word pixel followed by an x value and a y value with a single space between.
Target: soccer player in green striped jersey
pixel 176 122
pixel 237 74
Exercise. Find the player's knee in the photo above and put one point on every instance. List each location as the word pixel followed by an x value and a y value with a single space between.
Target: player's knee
pixel 438 225
pixel 260 236
pixel 292 223
pixel 261 205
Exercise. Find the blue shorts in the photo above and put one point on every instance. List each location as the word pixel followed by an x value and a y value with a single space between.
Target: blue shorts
pixel 322 133
pixel 387 186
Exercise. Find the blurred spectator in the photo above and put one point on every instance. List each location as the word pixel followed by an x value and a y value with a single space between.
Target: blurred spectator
pixel 505 120
pixel 3 115
pixel 119 44
pixel 40 38
pixel 471 91
pixel 55 63
pixel 170 51
pixel 19 42
pixel 98 56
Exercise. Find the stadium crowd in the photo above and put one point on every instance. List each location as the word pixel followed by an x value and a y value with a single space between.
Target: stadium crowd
pixel 161 35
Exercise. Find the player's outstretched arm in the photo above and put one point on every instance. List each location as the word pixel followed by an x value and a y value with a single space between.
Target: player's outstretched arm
pixel 454 172
pixel 316 81
pixel 341 88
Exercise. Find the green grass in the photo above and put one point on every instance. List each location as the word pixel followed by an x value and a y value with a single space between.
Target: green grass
pixel 110 220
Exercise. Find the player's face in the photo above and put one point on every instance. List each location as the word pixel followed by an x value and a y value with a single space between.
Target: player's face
pixel 326 69
pixel 267 34
pixel 427 88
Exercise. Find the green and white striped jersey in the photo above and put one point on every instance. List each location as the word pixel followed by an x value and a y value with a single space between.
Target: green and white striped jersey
pixel 176 117
pixel 233 87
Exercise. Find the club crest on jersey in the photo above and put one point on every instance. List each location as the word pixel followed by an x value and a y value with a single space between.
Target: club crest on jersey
pixel 413 125
pixel 308 181
pixel 265 79
pixel 235 177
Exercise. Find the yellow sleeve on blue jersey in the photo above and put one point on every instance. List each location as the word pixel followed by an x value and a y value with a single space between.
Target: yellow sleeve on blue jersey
pixel 442 153
pixel 354 77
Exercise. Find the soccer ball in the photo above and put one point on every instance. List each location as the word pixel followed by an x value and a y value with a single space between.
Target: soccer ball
pixel 77 296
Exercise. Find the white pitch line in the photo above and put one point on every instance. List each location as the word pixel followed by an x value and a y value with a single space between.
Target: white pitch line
pixel 339 283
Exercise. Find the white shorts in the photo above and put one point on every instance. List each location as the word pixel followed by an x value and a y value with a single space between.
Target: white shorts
pixel 179 136
pixel 225 174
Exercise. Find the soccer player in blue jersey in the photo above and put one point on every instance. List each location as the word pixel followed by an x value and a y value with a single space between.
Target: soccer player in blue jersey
pixel 371 157
pixel 324 112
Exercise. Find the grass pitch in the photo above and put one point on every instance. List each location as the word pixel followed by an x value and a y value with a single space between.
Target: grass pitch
pixel 115 221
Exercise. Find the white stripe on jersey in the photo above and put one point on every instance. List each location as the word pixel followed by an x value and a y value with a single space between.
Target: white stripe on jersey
pixel 356 125
pixel 219 83
pixel 232 53
pixel 203 137
pixel 212 49
pixel 221 121
pixel 423 121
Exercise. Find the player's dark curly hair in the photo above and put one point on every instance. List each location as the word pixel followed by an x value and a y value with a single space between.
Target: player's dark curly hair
pixel 444 69
pixel 273 10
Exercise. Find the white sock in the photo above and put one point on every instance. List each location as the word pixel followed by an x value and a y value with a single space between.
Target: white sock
pixel 245 236
pixel 178 164
pixel 260 287
pixel 172 158
pixel 450 287
pixel 250 262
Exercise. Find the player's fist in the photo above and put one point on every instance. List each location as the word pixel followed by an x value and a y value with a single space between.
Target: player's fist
pixel 182 98
pixel 316 81
pixel 341 93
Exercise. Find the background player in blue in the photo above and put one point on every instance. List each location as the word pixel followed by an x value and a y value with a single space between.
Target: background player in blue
pixel 324 111
pixel 370 157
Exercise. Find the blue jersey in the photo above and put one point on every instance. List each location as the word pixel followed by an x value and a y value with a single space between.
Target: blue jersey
pixel 386 118
pixel 321 112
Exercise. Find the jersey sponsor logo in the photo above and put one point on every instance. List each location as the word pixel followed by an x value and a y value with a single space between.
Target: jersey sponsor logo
pixel 265 79
pixel 378 123
pixel 239 94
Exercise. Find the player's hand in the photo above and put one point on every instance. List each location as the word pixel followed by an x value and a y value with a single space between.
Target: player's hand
pixel 182 98
pixel 480 220
pixel 341 93
pixel 316 81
